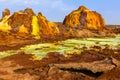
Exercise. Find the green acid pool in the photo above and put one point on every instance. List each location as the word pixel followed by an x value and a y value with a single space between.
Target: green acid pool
pixel 65 47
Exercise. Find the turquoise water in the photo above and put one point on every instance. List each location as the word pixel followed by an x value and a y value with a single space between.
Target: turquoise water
pixel 66 47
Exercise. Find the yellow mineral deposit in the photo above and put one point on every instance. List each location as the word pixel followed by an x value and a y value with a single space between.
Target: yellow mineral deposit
pixel 73 19
pixel 47 28
pixel 43 23
pixel 23 29
pixel 54 27
pixel 94 21
pixel 85 17
pixel 35 28
pixel 4 27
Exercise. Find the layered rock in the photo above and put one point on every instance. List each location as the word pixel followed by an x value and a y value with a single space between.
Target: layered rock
pixel 19 19
pixel 3 22
pixel 47 28
pixel 84 17
pixel 73 19
pixel 4 27
pixel 27 23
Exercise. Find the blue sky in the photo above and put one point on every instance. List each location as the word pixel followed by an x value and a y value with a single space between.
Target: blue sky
pixel 56 10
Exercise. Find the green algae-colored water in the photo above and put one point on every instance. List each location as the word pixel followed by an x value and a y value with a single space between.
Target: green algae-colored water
pixel 65 47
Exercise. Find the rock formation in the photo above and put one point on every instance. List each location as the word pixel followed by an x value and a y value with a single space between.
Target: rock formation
pixel 47 28
pixel 6 12
pixel 24 23
pixel 4 27
pixel 84 17
pixel 18 19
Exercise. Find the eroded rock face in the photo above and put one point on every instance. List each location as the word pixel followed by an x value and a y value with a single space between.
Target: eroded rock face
pixel 19 19
pixel 4 27
pixel 29 11
pixel 26 22
pixel 93 20
pixel 6 12
pixel 84 17
pixel 73 19
pixel 47 28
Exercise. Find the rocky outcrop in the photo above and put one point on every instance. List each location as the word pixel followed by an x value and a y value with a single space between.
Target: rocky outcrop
pixel 4 27
pixel 96 66
pixel 6 12
pixel 26 22
pixel 19 19
pixel 47 28
pixel 73 19
pixel 84 17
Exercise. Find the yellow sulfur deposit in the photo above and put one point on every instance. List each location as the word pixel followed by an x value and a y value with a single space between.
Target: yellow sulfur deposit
pixel 4 27
pixel 47 28
pixel 23 29
pixel 27 24
pixel 54 27
pixel 85 17
pixel 73 19
pixel 35 28
pixel 94 21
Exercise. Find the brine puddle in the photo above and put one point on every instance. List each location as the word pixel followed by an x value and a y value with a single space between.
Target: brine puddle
pixel 66 47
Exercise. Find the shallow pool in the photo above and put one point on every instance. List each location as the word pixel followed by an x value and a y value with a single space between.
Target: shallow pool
pixel 65 47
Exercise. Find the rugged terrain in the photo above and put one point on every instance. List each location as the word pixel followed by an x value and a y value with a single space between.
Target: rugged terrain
pixel 90 65
pixel 25 28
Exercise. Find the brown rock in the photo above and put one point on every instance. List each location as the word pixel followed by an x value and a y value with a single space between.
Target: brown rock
pixel 29 11
pixel 6 12
pixel 96 66
pixel 84 17
pixel 26 22
pixel 20 19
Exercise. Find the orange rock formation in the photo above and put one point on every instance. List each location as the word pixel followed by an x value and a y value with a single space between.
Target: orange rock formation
pixel 28 23
pixel 47 28
pixel 85 17
pixel 25 24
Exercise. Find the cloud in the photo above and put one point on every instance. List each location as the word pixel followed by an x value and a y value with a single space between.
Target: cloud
pixel 31 2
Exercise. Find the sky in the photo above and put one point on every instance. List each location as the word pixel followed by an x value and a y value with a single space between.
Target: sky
pixel 56 10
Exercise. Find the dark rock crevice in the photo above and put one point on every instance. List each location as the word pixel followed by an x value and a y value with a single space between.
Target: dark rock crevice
pixel 84 71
